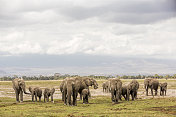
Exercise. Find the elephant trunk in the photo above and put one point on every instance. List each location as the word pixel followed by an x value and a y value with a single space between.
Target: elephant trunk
pixel 128 94
pixel 69 93
pixel 24 89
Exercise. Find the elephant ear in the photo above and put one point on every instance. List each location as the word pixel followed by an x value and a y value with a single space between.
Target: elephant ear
pixel 19 81
pixel 160 84
pixel 30 89
pixel 52 90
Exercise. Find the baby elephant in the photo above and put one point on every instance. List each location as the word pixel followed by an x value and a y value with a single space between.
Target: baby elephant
pixel 47 93
pixel 37 92
pixel 163 88
pixel 124 92
pixel 85 93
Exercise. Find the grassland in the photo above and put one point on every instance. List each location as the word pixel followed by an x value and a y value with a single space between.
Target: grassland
pixel 100 106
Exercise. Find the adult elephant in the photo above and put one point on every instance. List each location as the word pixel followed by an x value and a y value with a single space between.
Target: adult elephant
pixel 116 88
pixel 69 91
pixel 61 87
pixel 80 83
pixel 132 89
pixel 152 84
pixel 19 87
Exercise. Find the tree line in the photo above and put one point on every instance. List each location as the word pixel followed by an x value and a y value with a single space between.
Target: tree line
pixel 61 77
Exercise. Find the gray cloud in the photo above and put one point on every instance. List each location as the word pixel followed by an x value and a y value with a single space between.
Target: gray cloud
pixel 116 28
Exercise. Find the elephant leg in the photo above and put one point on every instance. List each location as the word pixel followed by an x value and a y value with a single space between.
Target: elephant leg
pixel 21 96
pixel 112 96
pixel 160 92
pixel 132 95
pixel 52 99
pixel 17 95
pixel 62 96
pixel 65 97
pixel 89 94
pixel 44 98
pixel 135 94
pixel 74 98
pixel 36 97
pixel 40 99
pixel 146 91
pixel 156 92
pixel 47 98
pixel 152 91
pixel 87 100
pixel 165 92
pixel 32 96
pixel 120 97
pixel 84 99
pixel 80 96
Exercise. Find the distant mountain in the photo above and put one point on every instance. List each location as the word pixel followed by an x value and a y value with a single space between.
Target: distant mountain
pixel 2 72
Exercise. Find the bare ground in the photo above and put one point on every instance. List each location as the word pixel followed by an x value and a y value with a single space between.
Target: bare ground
pixel 7 91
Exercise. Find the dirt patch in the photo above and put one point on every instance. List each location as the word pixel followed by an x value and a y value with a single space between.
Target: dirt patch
pixel 166 109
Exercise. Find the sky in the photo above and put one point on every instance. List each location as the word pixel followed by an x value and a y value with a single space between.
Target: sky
pixel 87 37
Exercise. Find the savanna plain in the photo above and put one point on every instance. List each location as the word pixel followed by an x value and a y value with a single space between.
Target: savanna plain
pixel 100 104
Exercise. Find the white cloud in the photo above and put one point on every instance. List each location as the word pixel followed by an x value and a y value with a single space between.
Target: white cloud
pixel 92 37
pixel 72 27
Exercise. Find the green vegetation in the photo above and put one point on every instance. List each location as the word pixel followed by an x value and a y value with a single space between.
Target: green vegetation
pixel 99 106
pixel 58 76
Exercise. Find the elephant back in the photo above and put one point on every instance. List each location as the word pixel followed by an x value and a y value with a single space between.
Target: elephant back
pixel 154 83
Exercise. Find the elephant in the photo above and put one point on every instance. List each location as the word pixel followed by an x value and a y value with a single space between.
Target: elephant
pixel 124 92
pixel 69 91
pixel 61 88
pixel 47 93
pixel 132 89
pixel 19 87
pixel 80 83
pixel 152 84
pixel 106 86
pixel 85 93
pixel 116 88
pixel 37 92
pixel 84 83
pixel 163 88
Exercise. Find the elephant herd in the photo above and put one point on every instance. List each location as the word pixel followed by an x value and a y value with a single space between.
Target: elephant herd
pixel 71 87
pixel 20 87
pixel 114 86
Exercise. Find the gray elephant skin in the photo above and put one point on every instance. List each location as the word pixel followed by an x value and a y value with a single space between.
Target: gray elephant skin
pixel 132 89
pixel 19 87
pixel 85 93
pixel 69 91
pixel 116 88
pixel 37 92
pixel 47 93
pixel 163 88
pixel 124 92
pixel 106 86
pixel 152 84
pixel 78 84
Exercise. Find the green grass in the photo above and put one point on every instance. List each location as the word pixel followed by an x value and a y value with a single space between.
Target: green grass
pixel 99 106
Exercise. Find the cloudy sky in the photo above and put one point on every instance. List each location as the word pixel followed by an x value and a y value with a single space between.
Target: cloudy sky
pixel 87 36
